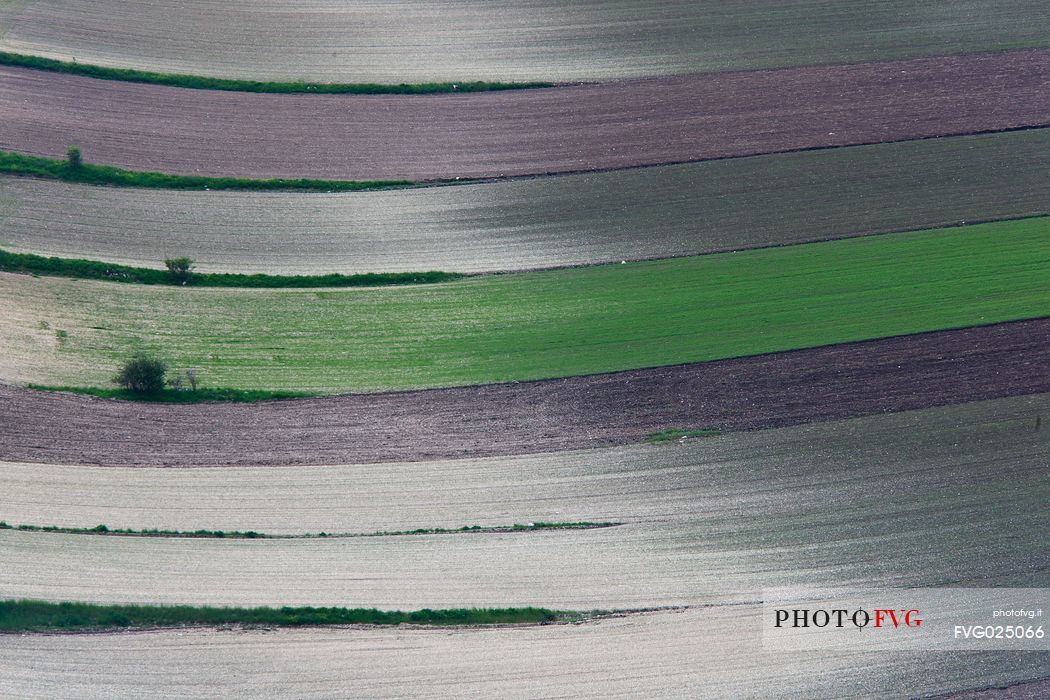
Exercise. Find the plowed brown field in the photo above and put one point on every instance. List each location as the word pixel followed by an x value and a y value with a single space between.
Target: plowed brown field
pixel 709 521
pixel 575 128
pixel 953 493
pixel 755 392
pixel 544 221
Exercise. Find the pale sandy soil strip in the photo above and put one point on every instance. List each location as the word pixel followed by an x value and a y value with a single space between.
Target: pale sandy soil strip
pixel 425 40
pixel 541 222
pixel 956 494
pixel 640 483
pixel 576 128
pixel 697 653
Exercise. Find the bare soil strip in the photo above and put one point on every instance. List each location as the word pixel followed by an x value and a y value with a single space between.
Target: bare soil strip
pixel 695 653
pixel 750 393
pixel 575 128
pixel 717 520
pixel 541 222
pixel 426 40
pixel 715 479
pixel 955 493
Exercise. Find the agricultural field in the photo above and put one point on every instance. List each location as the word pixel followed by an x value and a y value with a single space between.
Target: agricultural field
pixel 538 324
pixel 445 349
pixel 327 40
pixel 541 222
pixel 857 379
pixel 519 132
pixel 652 655
pixel 703 521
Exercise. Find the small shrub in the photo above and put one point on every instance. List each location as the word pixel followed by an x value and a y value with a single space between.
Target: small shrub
pixel 73 157
pixel 142 374
pixel 180 269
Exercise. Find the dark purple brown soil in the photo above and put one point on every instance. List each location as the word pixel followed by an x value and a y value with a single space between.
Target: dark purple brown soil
pixel 1033 690
pixel 782 389
pixel 570 128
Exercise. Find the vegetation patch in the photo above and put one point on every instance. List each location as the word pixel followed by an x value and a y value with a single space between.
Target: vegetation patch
pixel 200 395
pixel 253 535
pixel 198 82
pixel 526 527
pixel 534 325
pixel 41 616
pixel 680 434
pixel 74 169
pixel 93 269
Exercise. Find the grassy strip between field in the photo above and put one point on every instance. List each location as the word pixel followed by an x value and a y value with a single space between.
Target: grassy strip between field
pixel 253 535
pixel 93 269
pixel 679 434
pixel 200 395
pixel 533 325
pixel 41 616
pixel 199 82
pixel 90 174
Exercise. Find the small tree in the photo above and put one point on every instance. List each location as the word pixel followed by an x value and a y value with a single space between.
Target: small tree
pixel 73 157
pixel 180 269
pixel 142 374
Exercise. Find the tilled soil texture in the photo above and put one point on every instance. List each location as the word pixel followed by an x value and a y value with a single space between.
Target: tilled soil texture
pixel 572 128
pixel 394 42
pixel 600 410
pixel 713 520
pixel 722 485
pixel 707 652
pixel 544 221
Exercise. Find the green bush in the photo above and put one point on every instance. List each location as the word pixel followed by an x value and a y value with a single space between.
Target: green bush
pixel 142 374
pixel 73 157
pixel 180 269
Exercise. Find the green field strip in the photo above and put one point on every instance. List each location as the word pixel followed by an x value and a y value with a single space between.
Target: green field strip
pixel 534 325
pixel 199 82
pixel 43 616
pixel 91 174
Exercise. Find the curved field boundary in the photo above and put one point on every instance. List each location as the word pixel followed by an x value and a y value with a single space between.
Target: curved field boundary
pixel 42 616
pixel 713 478
pixel 809 506
pixel 700 652
pixel 91 174
pixel 198 82
pixel 542 222
pixel 574 128
pixel 103 530
pixel 430 40
pixel 744 394
pixel 93 269
pixel 532 325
